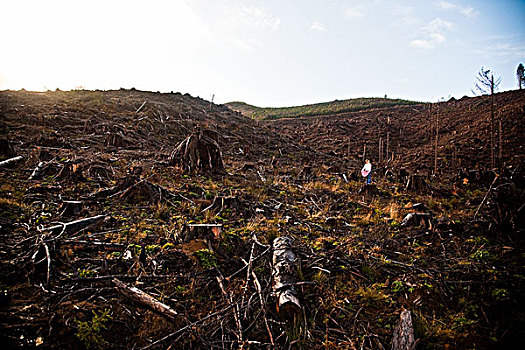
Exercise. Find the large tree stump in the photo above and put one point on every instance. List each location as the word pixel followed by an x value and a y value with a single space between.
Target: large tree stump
pixel 284 268
pixel 209 233
pixel 369 191
pixel 404 338
pixel 416 183
pixel 199 153
pixel 6 150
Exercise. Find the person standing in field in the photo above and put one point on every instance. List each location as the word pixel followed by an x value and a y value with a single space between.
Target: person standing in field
pixel 367 171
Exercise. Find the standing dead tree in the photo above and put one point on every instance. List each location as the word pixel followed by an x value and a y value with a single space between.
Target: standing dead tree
pixel 199 153
pixel 520 75
pixel 487 84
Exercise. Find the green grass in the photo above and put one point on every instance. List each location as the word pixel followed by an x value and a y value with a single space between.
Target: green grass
pixel 325 108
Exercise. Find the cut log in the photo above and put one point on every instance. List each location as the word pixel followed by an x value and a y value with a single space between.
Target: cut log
pixel 74 226
pixel 284 275
pixel 404 338
pixel 10 161
pixel 199 153
pixel 145 299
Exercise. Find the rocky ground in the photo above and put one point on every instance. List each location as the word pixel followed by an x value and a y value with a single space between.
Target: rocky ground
pixel 444 243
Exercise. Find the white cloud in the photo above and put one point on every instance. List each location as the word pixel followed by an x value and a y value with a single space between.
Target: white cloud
pixel 353 13
pixel 504 50
pixel 451 6
pixel 422 44
pixel 433 34
pixel 438 25
pixel 317 27
pixel 404 16
pixel 251 16
pixel 445 5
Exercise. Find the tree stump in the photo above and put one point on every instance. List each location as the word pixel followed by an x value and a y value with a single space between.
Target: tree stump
pixel 199 153
pixel 6 150
pixel 70 208
pixel 209 233
pixel 417 183
pixel 369 191
pixel 418 219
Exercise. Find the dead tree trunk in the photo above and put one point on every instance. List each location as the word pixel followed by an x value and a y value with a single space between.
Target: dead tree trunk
pixel 500 146
pixel 284 267
pixel 199 153
pixel 144 299
pixel 436 146
pixel 404 338
pixel 492 138
pixel 387 145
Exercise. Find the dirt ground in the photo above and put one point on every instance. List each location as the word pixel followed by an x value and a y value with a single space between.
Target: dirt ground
pixel 202 243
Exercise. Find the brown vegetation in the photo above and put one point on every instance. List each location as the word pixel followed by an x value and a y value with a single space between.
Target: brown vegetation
pixel 110 239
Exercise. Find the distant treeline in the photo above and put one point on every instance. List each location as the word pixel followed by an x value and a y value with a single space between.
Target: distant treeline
pixel 325 108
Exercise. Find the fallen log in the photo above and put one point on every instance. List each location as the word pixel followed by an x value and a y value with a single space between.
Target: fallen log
pixel 284 266
pixel 404 338
pixel 144 299
pixel 10 160
pixel 74 226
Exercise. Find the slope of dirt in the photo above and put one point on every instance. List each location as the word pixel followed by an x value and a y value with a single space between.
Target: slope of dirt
pixel 94 200
pixel 463 132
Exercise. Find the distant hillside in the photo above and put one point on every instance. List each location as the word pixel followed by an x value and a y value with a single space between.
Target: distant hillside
pixel 325 108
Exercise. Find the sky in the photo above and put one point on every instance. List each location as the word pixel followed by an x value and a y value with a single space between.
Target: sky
pixel 266 53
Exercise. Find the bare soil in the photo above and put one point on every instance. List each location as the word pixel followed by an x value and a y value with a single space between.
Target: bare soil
pixel 201 243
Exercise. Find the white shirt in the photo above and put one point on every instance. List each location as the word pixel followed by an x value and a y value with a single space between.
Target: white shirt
pixel 367 167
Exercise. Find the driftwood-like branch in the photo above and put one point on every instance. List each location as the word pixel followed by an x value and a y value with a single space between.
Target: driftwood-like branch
pixel 144 299
pixel 108 246
pixel 404 338
pixel 74 226
pixel 284 268
pixel 418 219
pixel 38 171
pixel 140 108
pixel 486 195
pixel 10 160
